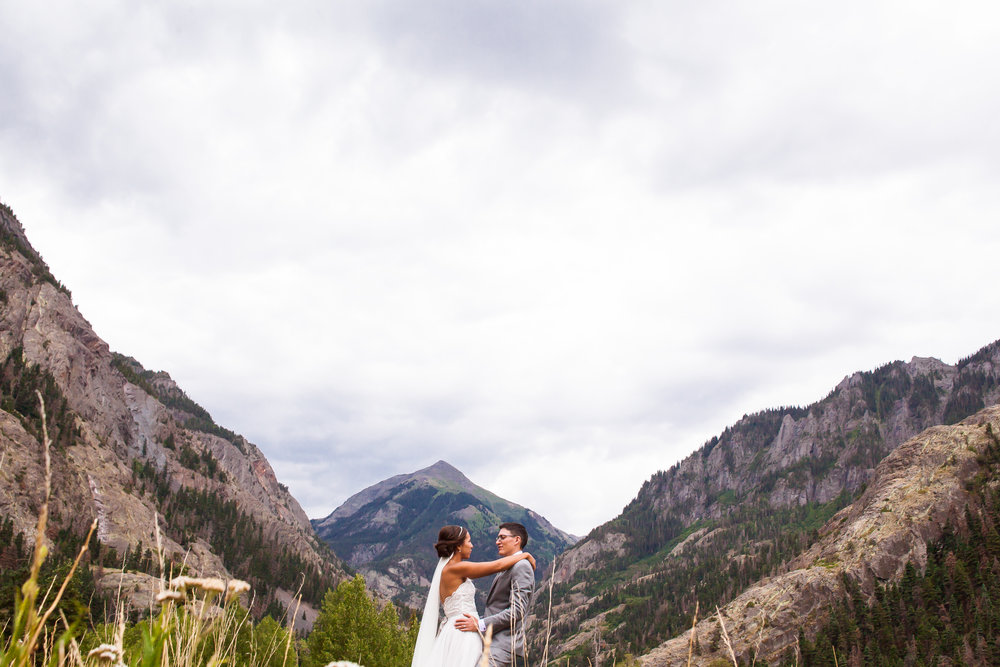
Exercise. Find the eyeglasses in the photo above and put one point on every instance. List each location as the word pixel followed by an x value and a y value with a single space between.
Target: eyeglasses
pixel 501 537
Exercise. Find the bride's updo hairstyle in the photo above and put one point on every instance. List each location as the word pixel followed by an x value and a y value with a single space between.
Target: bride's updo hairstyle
pixel 450 538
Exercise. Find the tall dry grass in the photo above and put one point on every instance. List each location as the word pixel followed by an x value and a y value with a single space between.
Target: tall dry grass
pixel 199 624
pixel 30 636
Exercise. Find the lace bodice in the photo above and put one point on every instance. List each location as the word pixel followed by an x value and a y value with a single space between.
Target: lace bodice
pixel 462 601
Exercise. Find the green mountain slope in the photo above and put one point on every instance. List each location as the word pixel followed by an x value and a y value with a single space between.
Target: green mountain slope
pixel 388 530
pixel 745 503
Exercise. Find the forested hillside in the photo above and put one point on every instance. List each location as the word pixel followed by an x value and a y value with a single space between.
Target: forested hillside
pixel 934 487
pixel 745 503
pixel 949 610
pixel 133 453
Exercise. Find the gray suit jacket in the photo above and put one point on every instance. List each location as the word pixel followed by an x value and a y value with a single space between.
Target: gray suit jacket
pixel 506 608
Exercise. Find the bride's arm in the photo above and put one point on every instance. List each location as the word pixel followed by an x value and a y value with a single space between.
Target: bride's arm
pixel 473 570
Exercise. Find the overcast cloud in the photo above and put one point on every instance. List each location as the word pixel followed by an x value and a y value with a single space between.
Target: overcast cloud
pixel 557 244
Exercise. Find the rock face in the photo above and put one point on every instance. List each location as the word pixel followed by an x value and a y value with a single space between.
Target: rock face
pixel 388 530
pixel 772 461
pixel 128 444
pixel 918 490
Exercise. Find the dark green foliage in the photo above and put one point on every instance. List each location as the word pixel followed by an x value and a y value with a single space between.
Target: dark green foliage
pixel 648 527
pixel 940 613
pixel 275 610
pixel 967 394
pixel 247 645
pixel 882 387
pixel 950 610
pixel 924 397
pixel 239 641
pixel 15 243
pixel 13 568
pixel 15 563
pixel 799 474
pixel 171 396
pixel 234 535
pixel 985 354
pixel 352 627
pixel 687 496
pixel 709 446
pixel 423 509
pixel 210 427
pixel 189 458
pixel 868 446
pixel 971 385
pixel 659 592
pixel 202 462
pixel 18 384
pixel 139 376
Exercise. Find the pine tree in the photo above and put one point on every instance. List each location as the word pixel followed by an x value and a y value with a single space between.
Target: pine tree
pixel 350 626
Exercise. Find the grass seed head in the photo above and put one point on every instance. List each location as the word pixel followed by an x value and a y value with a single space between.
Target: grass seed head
pixel 105 653
pixel 173 596
pixel 209 585
pixel 236 587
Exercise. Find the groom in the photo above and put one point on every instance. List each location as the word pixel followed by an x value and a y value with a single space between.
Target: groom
pixel 507 602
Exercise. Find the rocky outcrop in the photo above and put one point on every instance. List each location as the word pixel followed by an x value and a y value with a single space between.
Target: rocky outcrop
pixel 117 419
pixel 574 560
pixel 782 458
pixel 918 490
pixel 798 455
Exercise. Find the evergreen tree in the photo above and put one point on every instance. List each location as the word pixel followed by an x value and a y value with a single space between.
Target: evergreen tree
pixel 350 626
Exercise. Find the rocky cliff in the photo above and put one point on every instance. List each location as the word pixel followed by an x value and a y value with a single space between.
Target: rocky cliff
pixel 131 450
pixel 747 501
pixel 923 487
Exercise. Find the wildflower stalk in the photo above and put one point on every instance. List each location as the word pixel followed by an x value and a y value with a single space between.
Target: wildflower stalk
pixel 725 636
pixel 691 640
pixel 548 616
pixel 28 623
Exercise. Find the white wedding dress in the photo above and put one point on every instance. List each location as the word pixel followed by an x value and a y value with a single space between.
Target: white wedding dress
pixel 451 647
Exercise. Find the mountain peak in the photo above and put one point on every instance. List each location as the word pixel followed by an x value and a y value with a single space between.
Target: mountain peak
pixel 441 466
pixel 442 471
pixel 445 472
pixel 387 530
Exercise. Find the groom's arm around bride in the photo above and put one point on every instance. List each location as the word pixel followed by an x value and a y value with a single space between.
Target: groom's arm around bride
pixel 508 600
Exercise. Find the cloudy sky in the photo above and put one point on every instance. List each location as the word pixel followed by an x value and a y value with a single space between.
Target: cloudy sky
pixel 557 244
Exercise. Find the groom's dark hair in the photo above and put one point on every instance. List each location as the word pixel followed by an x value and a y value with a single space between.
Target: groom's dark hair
pixel 517 529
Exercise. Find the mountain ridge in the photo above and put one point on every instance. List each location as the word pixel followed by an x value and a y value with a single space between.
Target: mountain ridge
pixel 922 488
pixel 387 530
pixel 438 471
pixel 783 500
pixel 771 475
pixel 132 451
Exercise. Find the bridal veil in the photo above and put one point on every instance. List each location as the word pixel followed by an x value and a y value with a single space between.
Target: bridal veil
pixel 429 621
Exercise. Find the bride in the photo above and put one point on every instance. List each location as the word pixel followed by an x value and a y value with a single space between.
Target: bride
pixel 452 587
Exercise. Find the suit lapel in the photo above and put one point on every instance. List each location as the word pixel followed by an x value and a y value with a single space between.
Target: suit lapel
pixel 489 596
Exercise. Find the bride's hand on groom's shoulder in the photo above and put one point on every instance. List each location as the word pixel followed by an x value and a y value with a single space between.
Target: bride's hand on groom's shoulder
pixel 530 559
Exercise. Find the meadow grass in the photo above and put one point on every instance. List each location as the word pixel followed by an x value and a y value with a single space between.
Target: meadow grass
pixel 200 622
